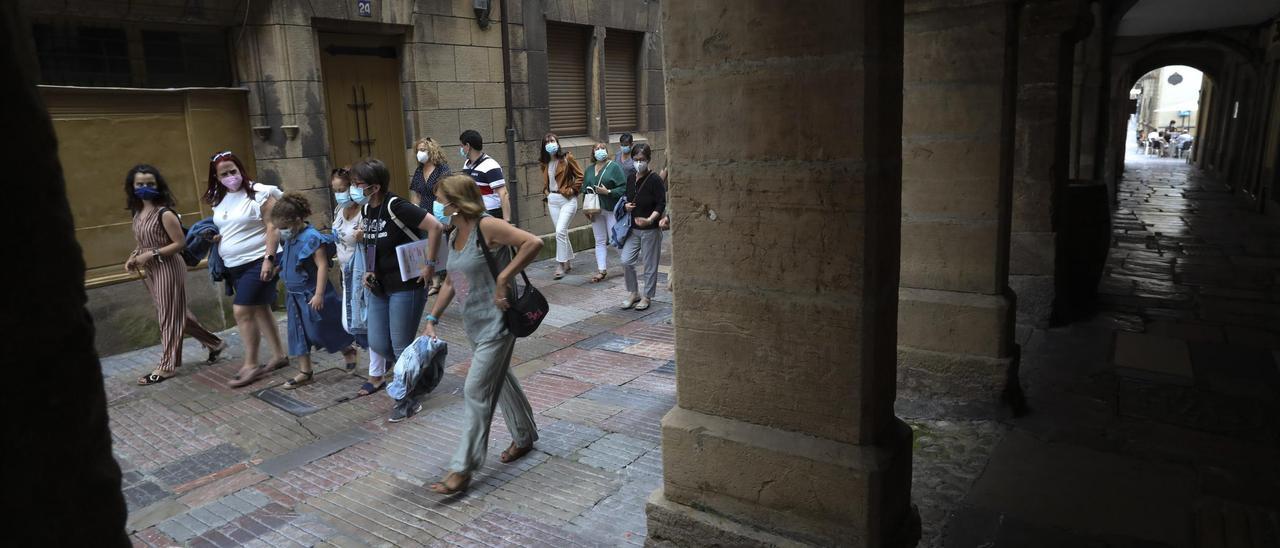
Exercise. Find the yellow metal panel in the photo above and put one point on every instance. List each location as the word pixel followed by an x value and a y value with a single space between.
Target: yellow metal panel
pixel 104 132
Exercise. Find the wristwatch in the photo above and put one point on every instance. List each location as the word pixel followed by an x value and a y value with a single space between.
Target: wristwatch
pixel 270 258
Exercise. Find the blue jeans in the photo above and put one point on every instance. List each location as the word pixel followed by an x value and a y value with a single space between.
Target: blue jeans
pixel 393 321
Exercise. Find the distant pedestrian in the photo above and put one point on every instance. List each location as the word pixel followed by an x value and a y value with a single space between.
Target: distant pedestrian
pixel 348 235
pixel 561 183
pixel 625 144
pixel 487 174
pixel 489 383
pixel 607 179
pixel 646 200
pixel 395 304
pixel 158 258
pixel 312 307
pixel 247 246
pixel 432 167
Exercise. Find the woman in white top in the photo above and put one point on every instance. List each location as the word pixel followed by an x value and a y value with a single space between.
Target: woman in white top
pixel 348 229
pixel 247 245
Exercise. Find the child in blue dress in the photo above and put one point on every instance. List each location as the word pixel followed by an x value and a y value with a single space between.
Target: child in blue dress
pixel 312 305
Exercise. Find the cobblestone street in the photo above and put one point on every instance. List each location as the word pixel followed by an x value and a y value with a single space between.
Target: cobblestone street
pixel 206 465
pixel 1162 405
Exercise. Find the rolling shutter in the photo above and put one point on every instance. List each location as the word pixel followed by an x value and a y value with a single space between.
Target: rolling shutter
pixel 620 96
pixel 567 78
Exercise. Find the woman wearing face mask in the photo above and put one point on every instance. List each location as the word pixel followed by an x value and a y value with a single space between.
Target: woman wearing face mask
pixel 646 200
pixel 158 232
pixel 248 245
pixel 607 180
pixel 562 182
pixel 348 232
pixel 395 305
pixel 431 168
pixel 490 384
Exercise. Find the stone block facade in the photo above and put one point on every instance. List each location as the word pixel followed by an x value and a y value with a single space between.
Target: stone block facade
pixel 451 79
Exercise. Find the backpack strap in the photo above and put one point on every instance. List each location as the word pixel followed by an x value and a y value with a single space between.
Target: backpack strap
pixel 411 234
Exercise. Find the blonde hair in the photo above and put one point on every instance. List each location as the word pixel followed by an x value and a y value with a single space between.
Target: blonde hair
pixel 434 154
pixel 596 147
pixel 461 192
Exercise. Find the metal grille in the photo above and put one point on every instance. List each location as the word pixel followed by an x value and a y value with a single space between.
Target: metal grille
pixel 89 56
pixel 567 53
pixel 81 55
pixel 620 95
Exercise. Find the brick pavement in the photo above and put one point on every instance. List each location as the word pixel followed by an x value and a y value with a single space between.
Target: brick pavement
pixel 207 465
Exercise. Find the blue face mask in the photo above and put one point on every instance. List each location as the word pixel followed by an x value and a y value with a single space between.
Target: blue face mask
pixel 357 195
pixel 551 147
pixel 146 193
pixel 626 149
pixel 601 154
pixel 285 233
pixel 343 199
pixel 462 152
pixel 437 209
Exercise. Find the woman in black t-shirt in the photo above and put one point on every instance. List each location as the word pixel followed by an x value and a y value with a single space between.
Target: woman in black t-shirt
pixel 395 306
pixel 646 201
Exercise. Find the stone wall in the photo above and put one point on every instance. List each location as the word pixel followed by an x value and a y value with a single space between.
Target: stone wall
pixel 451 80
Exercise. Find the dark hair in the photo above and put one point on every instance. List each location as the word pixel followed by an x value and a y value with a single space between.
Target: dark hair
pixel 543 156
pixel 291 206
pixel 343 173
pixel 373 172
pixel 132 202
pixel 625 139
pixel 642 148
pixel 215 192
pixel 472 138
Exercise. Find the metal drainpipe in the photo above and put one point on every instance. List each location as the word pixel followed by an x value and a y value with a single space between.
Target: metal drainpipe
pixel 511 176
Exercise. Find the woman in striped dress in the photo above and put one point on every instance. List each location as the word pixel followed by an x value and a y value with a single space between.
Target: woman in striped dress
pixel 158 260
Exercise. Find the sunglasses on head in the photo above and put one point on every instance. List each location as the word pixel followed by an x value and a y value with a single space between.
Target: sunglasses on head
pixel 341 172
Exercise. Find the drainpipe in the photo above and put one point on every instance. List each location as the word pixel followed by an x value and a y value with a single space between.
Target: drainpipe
pixel 511 120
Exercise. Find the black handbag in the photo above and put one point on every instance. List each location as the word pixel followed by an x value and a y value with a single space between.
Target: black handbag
pixel 528 308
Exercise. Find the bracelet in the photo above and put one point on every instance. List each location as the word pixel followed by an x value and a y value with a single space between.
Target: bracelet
pixel 431 263
pixel 155 252
pixel 433 319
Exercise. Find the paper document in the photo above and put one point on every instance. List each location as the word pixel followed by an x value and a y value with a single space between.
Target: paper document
pixel 413 258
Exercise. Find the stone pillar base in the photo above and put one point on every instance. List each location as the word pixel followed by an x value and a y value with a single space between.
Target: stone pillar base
pixel 937 384
pixel 731 483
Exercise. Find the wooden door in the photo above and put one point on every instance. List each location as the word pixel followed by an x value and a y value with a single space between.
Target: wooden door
pixel 362 98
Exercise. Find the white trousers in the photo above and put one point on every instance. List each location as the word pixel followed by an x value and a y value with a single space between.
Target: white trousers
pixel 601 226
pixel 562 210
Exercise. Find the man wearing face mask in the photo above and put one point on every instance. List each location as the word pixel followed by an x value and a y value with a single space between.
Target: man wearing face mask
pixel 623 156
pixel 486 172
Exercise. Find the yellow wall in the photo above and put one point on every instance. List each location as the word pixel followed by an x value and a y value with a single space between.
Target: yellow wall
pixel 104 132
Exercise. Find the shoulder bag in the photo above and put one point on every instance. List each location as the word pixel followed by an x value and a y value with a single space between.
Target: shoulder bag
pixel 526 310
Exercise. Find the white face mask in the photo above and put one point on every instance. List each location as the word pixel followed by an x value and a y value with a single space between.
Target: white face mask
pixel 422 156
pixel 642 166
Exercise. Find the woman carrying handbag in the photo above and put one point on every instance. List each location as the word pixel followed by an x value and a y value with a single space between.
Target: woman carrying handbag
pixel 605 184
pixel 489 380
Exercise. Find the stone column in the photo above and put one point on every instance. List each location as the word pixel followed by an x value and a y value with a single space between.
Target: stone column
pixel 785 129
pixel 1040 160
pixel 955 324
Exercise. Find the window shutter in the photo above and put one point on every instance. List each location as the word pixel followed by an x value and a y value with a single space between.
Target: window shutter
pixel 567 78
pixel 620 96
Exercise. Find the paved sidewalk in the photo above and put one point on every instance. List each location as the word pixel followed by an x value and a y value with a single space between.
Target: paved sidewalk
pixel 206 465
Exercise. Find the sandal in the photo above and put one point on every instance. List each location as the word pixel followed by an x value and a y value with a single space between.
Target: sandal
pixel 152 378
pixel 630 302
pixel 214 353
pixel 303 377
pixel 278 364
pixel 644 305
pixel 559 273
pixel 599 276
pixel 433 290
pixel 239 380
pixel 368 388
pixel 442 487
pixel 514 453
